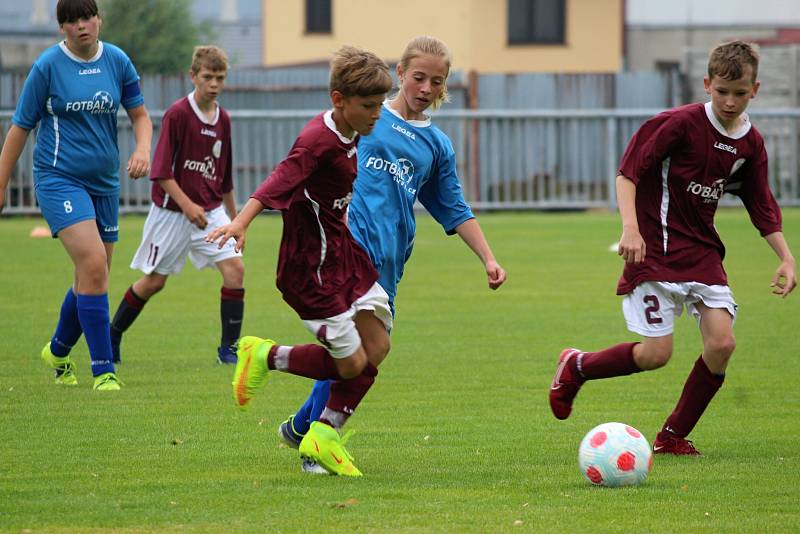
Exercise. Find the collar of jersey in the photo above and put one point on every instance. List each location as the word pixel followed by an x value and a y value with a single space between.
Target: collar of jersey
pixel 63 46
pixel 327 118
pixel 418 124
pixel 738 134
pixel 199 112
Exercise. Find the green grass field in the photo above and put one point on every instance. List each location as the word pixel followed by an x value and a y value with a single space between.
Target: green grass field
pixel 456 435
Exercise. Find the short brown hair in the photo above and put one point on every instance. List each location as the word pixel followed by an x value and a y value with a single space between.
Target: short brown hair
pixel 728 60
pixel 72 10
pixel 357 72
pixel 426 45
pixel 209 56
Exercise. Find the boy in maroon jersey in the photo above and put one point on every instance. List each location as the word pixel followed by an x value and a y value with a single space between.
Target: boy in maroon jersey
pixel 192 191
pixel 323 274
pixel 672 175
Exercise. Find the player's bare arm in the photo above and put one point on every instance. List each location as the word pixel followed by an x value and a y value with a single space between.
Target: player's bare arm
pixel 139 162
pixel 785 278
pixel 470 231
pixel 237 228
pixel 12 148
pixel 631 244
pixel 229 201
pixel 196 214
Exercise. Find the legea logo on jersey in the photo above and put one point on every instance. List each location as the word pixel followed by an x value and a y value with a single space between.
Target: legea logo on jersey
pixel 403 131
pixel 101 102
pixel 709 193
pixel 402 171
pixel 205 167
pixel 93 70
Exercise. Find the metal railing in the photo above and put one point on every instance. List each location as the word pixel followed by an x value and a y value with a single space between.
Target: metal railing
pixel 507 159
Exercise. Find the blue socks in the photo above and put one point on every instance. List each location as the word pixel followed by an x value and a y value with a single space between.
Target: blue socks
pixel 68 330
pixel 94 319
pixel 312 408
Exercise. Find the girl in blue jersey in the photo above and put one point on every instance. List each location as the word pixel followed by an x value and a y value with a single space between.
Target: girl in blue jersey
pixel 407 158
pixel 73 93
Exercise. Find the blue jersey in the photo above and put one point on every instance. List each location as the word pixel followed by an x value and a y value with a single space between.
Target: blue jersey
pixel 399 163
pixel 75 104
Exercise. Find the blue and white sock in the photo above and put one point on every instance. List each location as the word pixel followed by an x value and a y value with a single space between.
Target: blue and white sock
pixel 312 408
pixel 68 330
pixel 94 317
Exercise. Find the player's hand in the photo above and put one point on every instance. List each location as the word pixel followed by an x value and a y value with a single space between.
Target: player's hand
pixel 785 278
pixel 632 247
pixel 139 164
pixel 231 230
pixel 196 215
pixel 495 273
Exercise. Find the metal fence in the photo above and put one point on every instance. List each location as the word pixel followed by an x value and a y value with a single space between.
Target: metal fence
pixel 507 159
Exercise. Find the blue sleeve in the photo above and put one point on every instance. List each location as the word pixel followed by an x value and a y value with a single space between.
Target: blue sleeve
pixel 32 100
pixel 131 91
pixel 442 195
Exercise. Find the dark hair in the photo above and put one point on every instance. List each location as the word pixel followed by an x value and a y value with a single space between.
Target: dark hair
pixel 729 60
pixel 72 10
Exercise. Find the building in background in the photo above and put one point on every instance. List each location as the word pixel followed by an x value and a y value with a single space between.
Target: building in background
pixel 487 36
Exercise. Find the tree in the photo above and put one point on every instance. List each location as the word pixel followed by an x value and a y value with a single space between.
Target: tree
pixel 158 35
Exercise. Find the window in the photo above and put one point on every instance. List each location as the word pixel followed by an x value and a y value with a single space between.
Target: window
pixel 536 21
pixel 318 16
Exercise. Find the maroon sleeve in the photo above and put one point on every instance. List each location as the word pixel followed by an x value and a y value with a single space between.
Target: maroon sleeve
pixel 650 145
pixel 167 145
pixel 761 205
pixel 227 180
pixel 282 186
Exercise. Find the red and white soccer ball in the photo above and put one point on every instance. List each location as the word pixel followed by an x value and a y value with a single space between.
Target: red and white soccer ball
pixel 615 454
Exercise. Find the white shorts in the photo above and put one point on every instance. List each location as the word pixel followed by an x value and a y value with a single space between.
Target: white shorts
pixel 168 237
pixel 650 309
pixel 339 333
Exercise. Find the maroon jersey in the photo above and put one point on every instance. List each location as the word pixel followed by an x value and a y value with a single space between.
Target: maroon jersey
pixel 195 152
pixel 321 269
pixel 682 161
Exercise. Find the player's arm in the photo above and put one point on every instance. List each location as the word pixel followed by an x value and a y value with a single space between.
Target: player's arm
pixel 785 278
pixel 139 162
pixel 237 228
pixel 631 244
pixel 193 212
pixel 229 201
pixel 12 148
pixel 470 231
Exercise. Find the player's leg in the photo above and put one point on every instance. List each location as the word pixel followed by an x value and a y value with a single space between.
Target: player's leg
pixel 231 307
pixel 649 311
pixel 707 374
pixel 230 265
pixel 131 305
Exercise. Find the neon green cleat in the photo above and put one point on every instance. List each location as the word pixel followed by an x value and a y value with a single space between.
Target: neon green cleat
pixel 323 445
pixel 63 367
pixel 251 368
pixel 107 382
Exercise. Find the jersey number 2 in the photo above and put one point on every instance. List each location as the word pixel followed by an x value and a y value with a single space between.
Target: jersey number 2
pixel 651 309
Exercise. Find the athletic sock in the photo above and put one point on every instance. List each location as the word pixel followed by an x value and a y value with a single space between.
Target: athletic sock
pixel 346 396
pixel 310 361
pixel 613 361
pixel 312 408
pixel 68 330
pixel 699 389
pixel 231 311
pixel 93 315
pixel 129 308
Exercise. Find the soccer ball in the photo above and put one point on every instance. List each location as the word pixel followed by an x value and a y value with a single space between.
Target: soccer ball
pixel 615 454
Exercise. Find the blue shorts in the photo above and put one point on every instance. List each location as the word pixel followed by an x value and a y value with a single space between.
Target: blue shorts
pixel 64 203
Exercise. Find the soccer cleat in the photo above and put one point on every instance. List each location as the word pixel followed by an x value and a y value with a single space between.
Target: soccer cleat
pixel 62 366
pixel 669 443
pixel 325 446
pixel 566 384
pixel 107 382
pixel 251 368
pixel 288 434
pixel 226 354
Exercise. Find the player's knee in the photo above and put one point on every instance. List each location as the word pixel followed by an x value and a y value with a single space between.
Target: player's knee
pixel 654 358
pixel 352 366
pixel 233 274
pixel 92 273
pixel 723 346
pixel 379 352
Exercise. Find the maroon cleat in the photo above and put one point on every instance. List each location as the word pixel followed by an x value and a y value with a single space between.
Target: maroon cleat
pixel 566 384
pixel 669 443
